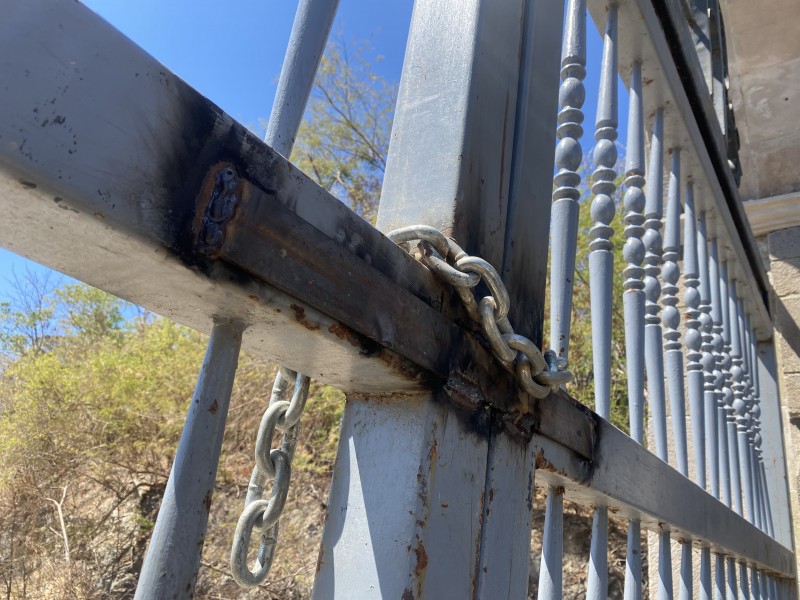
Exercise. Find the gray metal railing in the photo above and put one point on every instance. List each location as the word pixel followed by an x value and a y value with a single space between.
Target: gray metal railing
pixel 440 448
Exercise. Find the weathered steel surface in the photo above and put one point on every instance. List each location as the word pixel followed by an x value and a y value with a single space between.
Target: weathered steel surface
pixel 125 178
pixel 468 127
pixel 636 484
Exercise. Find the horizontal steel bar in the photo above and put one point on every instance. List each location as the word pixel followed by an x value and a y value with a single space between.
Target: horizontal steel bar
pixel 635 484
pixel 117 173
pixel 642 38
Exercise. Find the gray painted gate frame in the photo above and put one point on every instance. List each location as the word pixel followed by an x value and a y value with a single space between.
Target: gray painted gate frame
pixel 435 470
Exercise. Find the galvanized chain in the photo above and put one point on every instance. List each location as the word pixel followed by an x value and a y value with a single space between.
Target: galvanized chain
pixel 539 374
pixel 261 515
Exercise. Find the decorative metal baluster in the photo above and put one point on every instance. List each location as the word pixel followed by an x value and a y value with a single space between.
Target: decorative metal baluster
pixel 720 379
pixel 563 236
pixel 766 517
pixel 749 403
pixel 653 341
pixel 633 304
pixel 730 414
pixel 706 325
pixel 693 337
pixel 670 316
pixel 739 404
pixel 601 265
pixel 720 384
pixel 654 360
pixel 704 362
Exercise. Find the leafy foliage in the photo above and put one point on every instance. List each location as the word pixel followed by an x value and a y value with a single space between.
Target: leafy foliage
pixel 344 139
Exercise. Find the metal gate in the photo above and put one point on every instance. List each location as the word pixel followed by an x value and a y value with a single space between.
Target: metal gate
pixel 433 321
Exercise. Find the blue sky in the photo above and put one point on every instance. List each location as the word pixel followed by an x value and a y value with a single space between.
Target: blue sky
pixel 232 52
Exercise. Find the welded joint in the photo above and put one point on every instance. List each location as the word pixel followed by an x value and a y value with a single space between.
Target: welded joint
pixel 217 206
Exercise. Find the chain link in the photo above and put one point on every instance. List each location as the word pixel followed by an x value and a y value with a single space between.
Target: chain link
pixel 539 374
pixel 261 515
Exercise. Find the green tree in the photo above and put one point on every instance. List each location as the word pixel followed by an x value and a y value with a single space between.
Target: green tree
pixel 344 138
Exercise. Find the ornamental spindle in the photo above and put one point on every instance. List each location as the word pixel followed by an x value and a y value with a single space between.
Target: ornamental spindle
pixel 653 341
pixel 708 362
pixel 564 233
pixel 730 414
pixel 673 356
pixel 739 404
pixel 693 337
pixel 633 304
pixel 720 372
pixel 654 359
pixel 670 316
pixel 601 265
pixel 708 398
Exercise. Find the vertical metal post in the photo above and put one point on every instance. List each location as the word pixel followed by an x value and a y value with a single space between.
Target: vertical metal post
pixel 731 571
pixel 601 265
pixel 653 342
pixel 654 359
pixel 427 500
pixel 563 242
pixel 730 414
pixel 550 580
pixel 706 325
pixel 720 372
pixel 686 591
pixel 706 591
pixel 664 566
pixel 173 557
pixel 312 25
pixel 693 337
pixel 744 585
pixel 673 355
pixel 719 578
pixel 633 304
pixel 171 564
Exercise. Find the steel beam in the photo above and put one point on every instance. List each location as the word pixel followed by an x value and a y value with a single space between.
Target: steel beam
pixel 122 159
pixel 636 484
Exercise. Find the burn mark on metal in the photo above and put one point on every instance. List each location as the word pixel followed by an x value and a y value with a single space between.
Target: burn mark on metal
pixel 219 210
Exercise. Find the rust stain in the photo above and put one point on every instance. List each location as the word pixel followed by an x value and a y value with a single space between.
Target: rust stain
pixel 445 505
pixel 422 560
pixel 214 407
pixel 503 156
pixel 319 558
pixel 253 297
pixel 300 317
pixel 207 501
pixel 407 594
pixel 344 333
